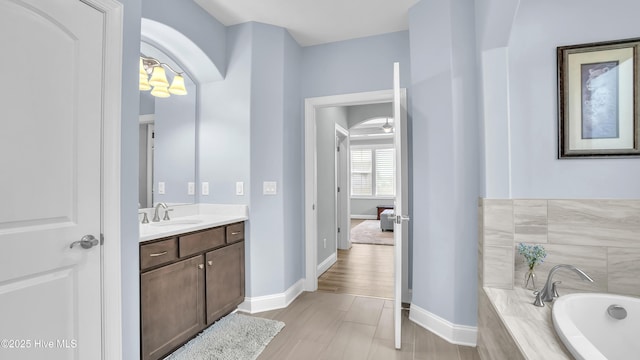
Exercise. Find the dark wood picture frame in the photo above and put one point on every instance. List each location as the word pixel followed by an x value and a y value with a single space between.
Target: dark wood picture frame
pixel 598 100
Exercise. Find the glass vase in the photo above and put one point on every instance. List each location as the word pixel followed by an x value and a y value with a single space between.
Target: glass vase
pixel 530 279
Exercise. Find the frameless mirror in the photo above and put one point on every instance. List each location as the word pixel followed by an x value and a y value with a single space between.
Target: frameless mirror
pixel 167 146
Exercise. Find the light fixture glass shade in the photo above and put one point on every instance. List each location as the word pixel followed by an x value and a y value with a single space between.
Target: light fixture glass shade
pixel 158 77
pixel 177 86
pixel 387 127
pixel 160 91
pixel 144 83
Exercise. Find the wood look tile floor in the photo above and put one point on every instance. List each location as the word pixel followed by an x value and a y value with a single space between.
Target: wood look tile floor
pixel 362 270
pixel 351 316
pixel 327 326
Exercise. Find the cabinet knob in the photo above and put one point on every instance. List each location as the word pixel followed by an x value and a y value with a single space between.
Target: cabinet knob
pixel 200 266
pixel 210 262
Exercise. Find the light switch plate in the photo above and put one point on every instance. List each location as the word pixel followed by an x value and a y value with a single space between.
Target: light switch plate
pixel 269 188
pixel 239 188
pixel 205 188
pixel 191 188
pixel 161 188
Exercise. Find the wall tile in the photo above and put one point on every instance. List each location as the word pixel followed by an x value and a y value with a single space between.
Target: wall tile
pixel 498 222
pixel 498 267
pixel 530 221
pixel 590 259
pixel 594 222
pixel 624 271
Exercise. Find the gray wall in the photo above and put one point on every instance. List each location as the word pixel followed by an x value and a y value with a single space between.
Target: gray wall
pixel 191 20
pixel 352 66
pixel 326 120
pixel 367 206
pixel 293 179
pixel 518 62
pixel 445 159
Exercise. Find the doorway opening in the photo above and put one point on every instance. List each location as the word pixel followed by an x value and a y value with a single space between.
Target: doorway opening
pixel 365 184
pixel 318 260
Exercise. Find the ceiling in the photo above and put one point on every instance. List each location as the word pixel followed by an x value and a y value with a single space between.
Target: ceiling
pixel 313 22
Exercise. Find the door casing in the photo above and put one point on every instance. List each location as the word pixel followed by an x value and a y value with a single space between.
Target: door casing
pixel 311 186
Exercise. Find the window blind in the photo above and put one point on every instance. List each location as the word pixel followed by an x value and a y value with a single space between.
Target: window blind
pixel 361 172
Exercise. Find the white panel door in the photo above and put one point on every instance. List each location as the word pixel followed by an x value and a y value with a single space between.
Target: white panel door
pixel 50 189
pixel 400 207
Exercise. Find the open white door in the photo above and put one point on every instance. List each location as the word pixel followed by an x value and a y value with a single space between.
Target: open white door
pixel 400 219
pixel 50 146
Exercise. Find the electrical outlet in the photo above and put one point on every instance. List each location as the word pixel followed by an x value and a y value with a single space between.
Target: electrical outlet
pixel 191 188
pixel 205 188
pixel 161 188
pixel 269 188
pixel 325 242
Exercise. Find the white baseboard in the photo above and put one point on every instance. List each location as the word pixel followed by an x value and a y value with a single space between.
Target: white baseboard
pixel 272 302
pixel 326 264
pixel 364 217
pixel 453 333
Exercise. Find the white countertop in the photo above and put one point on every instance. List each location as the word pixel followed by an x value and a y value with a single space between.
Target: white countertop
pixel 188 218
pixel 530 326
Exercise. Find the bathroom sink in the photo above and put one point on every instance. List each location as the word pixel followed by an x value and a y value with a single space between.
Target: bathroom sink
pixel 176 222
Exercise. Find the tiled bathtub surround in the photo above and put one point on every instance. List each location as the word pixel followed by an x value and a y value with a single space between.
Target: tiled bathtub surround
pixel 602 237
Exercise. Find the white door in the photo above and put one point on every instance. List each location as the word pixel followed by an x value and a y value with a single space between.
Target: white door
pixel 50 189
pixel 400 207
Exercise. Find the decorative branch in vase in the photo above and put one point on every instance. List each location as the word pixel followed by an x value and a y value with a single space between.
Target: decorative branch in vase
pixel 533 255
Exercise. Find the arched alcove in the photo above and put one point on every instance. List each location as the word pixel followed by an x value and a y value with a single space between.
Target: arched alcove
pixel 169 45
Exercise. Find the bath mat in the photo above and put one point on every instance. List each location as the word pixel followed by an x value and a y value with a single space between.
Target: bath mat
pixel 234 337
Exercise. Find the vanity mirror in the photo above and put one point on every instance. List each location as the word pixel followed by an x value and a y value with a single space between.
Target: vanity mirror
pixel 167 146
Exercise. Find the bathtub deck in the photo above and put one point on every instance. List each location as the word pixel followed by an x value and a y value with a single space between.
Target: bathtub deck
pixel 531 327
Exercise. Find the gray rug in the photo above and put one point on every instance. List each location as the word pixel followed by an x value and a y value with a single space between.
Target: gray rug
pixel 234 337
pixel 368 232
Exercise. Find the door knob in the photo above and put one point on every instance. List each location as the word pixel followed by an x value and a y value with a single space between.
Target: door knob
pixel 87 242
pixel 401 218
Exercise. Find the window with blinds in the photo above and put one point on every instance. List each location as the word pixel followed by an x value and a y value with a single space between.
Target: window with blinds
pixel 361 172
pixel 372 172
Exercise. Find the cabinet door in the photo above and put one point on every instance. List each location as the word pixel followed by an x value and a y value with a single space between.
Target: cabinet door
pixel 172 306
pixel 225 280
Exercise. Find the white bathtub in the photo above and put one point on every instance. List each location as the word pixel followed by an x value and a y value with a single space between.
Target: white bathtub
pixel 584 325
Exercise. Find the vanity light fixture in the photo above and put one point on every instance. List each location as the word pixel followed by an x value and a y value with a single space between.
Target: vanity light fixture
pixel 158 83
pixel 387 127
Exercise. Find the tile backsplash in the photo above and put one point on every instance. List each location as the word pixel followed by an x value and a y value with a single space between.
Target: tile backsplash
pixel 601 237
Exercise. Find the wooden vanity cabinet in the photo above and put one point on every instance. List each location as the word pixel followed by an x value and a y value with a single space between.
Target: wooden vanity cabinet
pixel 225 280
pixel 171 306
pixel 188 282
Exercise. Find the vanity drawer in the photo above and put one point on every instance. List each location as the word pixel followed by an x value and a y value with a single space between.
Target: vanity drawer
pixel 158 253
pixel 201 241
pixel 235 232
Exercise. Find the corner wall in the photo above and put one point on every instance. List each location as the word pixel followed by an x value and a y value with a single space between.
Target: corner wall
pixel 519 94
pixel 445 159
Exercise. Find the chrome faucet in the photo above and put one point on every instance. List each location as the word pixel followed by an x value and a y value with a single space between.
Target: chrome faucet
pixel 549 291
pixel 156 216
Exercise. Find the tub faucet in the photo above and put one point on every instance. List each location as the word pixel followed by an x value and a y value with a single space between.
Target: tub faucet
pixel 549 292
pixel 156 216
